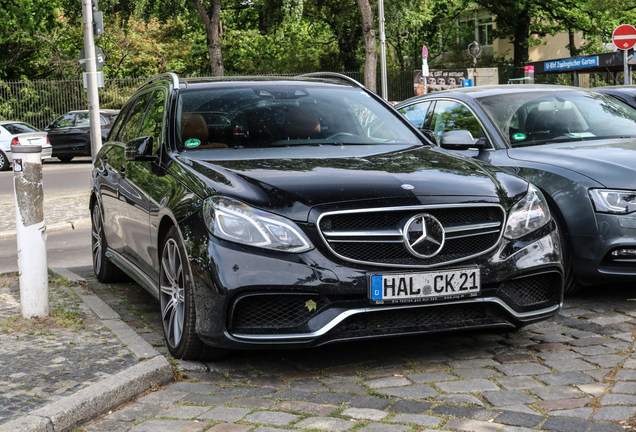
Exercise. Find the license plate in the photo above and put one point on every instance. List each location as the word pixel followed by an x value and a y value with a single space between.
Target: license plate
pixel 424 287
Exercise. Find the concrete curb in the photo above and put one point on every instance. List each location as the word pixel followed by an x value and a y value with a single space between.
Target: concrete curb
pixel 54 228
pixel 98 398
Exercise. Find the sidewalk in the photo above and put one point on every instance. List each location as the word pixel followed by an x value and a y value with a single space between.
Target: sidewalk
pixel 65 369
pixel 62 211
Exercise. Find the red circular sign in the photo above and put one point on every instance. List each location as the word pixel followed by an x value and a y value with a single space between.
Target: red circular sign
pixel 624 37
pixel 424 52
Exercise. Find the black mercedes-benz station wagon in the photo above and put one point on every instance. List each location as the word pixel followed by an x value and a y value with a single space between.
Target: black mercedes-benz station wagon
pixel 295 212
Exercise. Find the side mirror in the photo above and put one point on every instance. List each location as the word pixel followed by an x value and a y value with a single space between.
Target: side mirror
pixel 140 150
pixel 430 135
pixel 461 140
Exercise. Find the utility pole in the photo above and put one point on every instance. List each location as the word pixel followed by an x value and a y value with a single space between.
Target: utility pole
pixel 91 76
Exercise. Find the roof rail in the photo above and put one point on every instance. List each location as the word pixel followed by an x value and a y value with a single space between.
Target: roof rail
pixel 168 76
pixel 333 75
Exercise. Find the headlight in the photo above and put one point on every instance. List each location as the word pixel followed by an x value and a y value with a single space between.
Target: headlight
pixel 529 214
pixel 613 201
pixel 234 221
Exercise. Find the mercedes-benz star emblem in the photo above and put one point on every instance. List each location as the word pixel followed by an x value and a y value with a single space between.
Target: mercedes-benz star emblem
pixel 423 236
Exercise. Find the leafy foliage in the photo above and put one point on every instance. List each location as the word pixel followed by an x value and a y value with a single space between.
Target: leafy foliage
pixel 41 39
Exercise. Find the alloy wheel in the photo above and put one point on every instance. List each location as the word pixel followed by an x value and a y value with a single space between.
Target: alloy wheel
pixel 3 161
pixel 97 239
pixel 172 292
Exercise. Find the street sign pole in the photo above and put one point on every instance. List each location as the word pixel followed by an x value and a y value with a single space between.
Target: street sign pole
pixel 425 68
pixel 91 74
pixel 625 69
pixel 624 38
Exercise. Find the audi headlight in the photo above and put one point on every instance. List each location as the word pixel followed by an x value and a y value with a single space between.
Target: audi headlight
pixel 237 222
pixel 613 201
pixel 529 214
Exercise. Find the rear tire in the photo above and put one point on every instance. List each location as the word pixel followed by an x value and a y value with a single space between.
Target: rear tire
pixel 4 162
pixel 65 158
pixel 178 310
pixel 105 270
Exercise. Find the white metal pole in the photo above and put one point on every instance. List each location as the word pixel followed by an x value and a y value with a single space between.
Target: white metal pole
pixel 30 230
pixel 625 68
pixel 91 78
pixel 383 74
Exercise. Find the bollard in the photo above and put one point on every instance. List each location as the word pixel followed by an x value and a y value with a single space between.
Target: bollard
pixel 31 231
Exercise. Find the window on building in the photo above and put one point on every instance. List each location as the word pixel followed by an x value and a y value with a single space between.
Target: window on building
pixel 485 31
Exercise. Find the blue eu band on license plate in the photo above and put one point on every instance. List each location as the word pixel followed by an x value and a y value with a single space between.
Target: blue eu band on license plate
pixel 421 287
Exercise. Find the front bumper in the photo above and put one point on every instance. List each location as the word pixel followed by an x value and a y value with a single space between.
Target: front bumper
pixel 250 298
pixel 592 254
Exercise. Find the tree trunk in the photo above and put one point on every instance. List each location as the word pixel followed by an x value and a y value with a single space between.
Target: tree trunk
pixel 571 45
pixel 211 17
pixel 371 53
pixel 522 33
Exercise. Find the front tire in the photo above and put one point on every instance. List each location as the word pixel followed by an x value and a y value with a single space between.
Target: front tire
pixel 4 162
pixel 571 284
pixel 105 270
pixel 178 311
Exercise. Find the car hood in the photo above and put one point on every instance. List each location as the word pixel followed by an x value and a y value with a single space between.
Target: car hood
pixel 610 162
pixel 293 184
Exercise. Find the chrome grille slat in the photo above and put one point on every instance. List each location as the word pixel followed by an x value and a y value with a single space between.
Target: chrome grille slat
pixel 473 229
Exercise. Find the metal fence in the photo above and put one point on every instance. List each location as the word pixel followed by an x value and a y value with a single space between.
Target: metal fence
pixel 40 102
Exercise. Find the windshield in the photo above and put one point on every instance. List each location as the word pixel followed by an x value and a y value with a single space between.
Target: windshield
pixel 543 117
pixel 262 116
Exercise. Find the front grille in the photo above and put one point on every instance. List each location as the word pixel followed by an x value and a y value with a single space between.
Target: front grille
pixel 415 320
pixel 273 312
pixel 396 253
pixel 532 290
pixel 374 236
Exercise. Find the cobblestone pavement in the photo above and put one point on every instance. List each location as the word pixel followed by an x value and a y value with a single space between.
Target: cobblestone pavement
pixel 54 357
pixel 56 209
pixel 575 372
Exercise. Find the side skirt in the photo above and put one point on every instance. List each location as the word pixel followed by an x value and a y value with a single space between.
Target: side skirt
pixel 134 272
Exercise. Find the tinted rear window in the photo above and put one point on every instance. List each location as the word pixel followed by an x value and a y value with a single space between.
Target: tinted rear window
pixel 18 128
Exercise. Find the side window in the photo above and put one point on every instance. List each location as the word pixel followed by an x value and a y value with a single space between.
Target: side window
pixel 82 120
pixel 416 113
pixel 450 116
pixel 154 119
pixel 63 122
pixel 121 118
pixel 131 128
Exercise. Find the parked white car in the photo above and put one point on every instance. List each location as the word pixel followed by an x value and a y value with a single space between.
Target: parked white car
pixel 13 132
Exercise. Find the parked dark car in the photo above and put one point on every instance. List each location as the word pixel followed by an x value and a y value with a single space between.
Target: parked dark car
pixel 295 212
pixel 577 146
pixel 624 93
pixel 70 133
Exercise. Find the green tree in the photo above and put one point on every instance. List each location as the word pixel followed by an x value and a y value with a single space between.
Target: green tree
pixel 20 20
